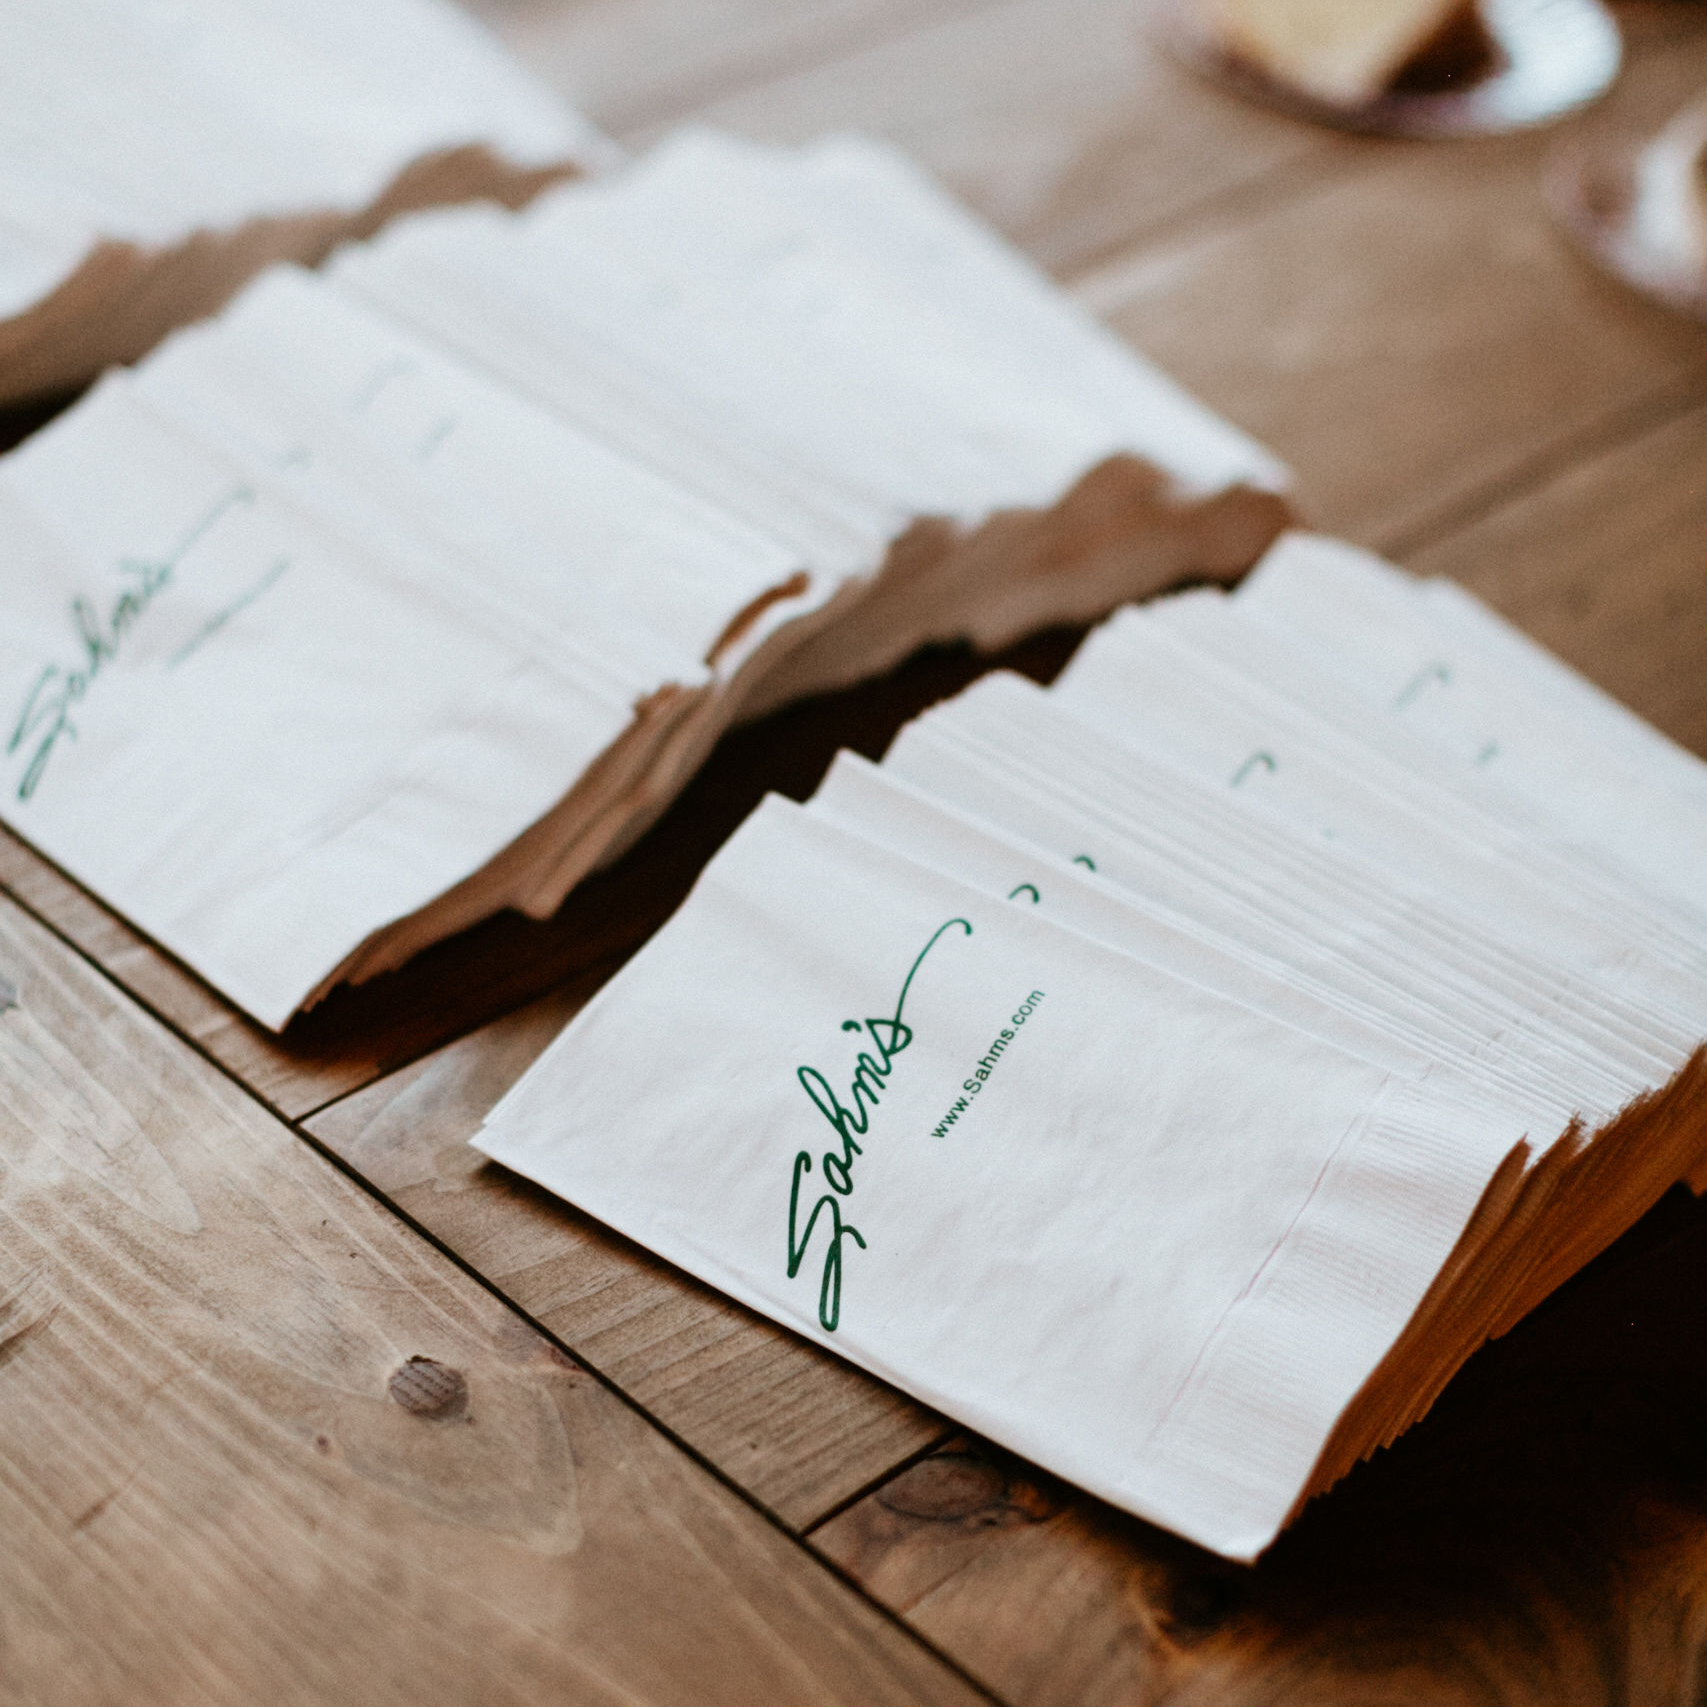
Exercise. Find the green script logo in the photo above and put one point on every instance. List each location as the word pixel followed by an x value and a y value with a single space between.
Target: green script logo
pixel 45 718
pixel 889 1037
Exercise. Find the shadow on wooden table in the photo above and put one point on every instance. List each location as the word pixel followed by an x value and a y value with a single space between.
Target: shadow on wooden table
pixel 1540 1537
pixel 494 967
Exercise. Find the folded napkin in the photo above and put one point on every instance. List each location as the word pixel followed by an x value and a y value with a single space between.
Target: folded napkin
pixel 1175 1074
pixel 154 155
pixel 415 589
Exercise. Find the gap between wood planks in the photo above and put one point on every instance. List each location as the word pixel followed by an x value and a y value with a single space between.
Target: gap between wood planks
pixel 329 1154
pixel 817 1561
pixel 225 1194
pixel 1622 427
pixel 558 45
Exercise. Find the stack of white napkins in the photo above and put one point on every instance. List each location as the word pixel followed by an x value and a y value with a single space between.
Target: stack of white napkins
pixel 156 153
pixel 416 589
pixel 1176 1074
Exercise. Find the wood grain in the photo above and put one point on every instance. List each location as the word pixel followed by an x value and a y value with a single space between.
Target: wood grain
pixel 627 63
pixel 1604 564
pixel 230 1476
pixel 1059 120
pixel 1414 336
pixel 797 1429
pixel 1540 1538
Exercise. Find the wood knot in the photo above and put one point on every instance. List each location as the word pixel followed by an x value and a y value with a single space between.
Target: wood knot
pixel 1199 1603
pixel 427 1388
pixel 963 1487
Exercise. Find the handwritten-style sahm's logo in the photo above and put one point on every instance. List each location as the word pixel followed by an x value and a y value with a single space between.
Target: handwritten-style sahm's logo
pixel 889 1037
pixel 44 719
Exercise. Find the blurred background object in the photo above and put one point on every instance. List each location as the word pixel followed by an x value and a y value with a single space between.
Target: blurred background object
pixel 1425 68
pixel 1638 206
pixel 154 157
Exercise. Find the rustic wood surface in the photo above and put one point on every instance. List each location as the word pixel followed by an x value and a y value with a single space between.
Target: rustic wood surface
pixel 264 1443
pixel 1410 331
pixel 209 1494
pixel 797 1429
pixel 1603 562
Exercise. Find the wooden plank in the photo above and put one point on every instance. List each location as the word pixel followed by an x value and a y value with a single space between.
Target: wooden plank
pixel 356 1035
pixel 1059 120
pixel 1538 1539
pixel 1604 564
pixel 1414 335
pixel 628 63
pixel 228 1477
pixel 800 1431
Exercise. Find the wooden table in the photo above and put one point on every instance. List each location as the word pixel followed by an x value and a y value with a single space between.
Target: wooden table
pixel 302 1402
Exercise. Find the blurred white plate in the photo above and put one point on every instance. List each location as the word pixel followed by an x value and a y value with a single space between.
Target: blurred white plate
pixel 1554 56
